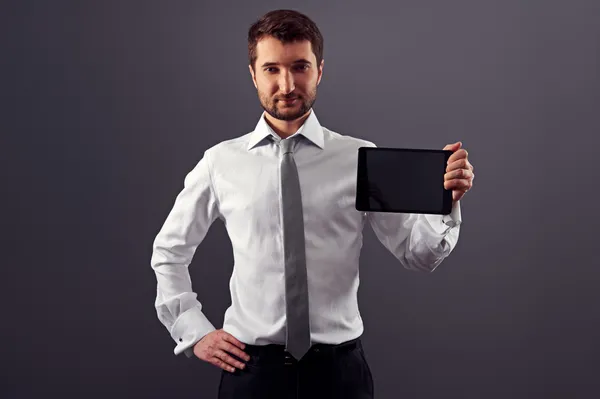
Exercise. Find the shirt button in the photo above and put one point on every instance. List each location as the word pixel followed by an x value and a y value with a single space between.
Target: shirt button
pixel 180 340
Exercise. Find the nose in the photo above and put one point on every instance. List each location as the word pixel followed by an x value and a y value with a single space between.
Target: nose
pixel 286 82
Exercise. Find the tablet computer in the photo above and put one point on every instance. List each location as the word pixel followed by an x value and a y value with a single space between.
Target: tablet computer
pixel 402 180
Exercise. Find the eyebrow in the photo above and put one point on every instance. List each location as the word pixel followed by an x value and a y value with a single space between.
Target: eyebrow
pixel 300 61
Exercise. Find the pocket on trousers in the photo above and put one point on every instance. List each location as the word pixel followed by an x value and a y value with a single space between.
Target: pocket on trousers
pixel 358 378
pixel 352 376
pixel 369 377
pixel 255 381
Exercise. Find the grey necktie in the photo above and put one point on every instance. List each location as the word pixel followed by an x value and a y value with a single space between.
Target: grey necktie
pixel 294 250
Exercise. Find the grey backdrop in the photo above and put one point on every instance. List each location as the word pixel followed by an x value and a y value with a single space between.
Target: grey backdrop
pixel 106 105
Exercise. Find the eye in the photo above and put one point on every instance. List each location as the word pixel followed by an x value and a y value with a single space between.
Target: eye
pixel 271 69
pixel 302 67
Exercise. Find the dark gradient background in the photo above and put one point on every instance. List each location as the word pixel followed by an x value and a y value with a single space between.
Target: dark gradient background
pixel 106 105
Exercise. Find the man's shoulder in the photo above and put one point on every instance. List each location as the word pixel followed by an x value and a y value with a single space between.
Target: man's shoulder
pixel 235 143
pixel 345 139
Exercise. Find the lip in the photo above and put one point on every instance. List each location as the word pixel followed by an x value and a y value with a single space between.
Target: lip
pixel 288 100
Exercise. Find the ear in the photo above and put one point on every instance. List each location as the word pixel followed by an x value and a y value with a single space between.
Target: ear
pixel 320 72
pixel 253 75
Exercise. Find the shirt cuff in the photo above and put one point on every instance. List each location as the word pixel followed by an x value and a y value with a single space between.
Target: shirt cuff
pixel 188 329
pixel 454 218
pixel 443 223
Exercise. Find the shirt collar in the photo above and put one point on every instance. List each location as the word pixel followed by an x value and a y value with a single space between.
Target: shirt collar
pixel 311 129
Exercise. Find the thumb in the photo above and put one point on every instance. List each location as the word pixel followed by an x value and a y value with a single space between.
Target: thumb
pixel 453 147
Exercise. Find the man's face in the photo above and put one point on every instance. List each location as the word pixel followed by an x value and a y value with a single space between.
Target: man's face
pixel 286 77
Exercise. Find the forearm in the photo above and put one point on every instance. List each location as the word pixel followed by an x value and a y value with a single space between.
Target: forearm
pixel 429 244
pixel 176 304
pixel 419 242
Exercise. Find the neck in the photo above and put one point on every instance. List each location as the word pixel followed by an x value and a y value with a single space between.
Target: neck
pixel 285 129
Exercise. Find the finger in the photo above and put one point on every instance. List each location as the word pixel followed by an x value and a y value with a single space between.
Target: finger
pixel 457 184
pixel 227 347
pixel 228 360
pixel 462 153
pixel 459 174
pixel 453 147
pixel 460 164
pixel 219 363
pixel 233 340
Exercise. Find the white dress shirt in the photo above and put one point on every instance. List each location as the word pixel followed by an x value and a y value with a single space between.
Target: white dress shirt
pixel 238 182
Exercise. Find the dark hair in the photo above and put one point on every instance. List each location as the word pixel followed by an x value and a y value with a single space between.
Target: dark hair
pixel 286 26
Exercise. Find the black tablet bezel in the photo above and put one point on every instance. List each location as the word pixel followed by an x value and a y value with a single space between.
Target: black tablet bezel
pixel 362 197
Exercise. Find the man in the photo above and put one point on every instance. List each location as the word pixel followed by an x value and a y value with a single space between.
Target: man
pixel 286 194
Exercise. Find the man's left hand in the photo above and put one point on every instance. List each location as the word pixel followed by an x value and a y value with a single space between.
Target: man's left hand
pixel 459 172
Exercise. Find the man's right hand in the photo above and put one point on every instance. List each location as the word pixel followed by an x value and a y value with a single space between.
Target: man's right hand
pixel 216 347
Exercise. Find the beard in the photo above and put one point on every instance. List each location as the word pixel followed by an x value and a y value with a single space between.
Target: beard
pixel 279 110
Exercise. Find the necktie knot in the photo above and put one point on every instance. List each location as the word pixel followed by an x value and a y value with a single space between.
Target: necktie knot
pixel 286 146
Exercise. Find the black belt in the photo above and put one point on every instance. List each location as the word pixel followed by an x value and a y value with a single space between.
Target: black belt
pixel 277 352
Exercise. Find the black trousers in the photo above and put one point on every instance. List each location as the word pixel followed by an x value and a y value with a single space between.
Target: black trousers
pixel 326 371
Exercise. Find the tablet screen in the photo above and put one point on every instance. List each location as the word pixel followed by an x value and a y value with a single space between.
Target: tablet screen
pixel 402 180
